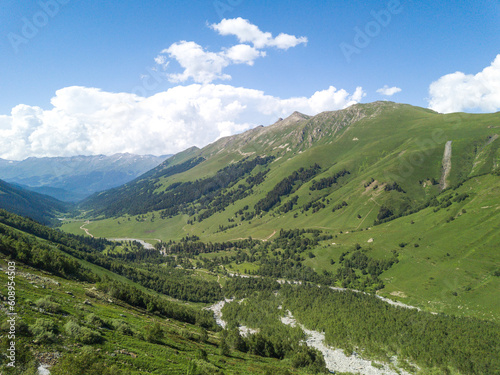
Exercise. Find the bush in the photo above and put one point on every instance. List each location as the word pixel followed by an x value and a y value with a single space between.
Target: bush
pixel 95 321
pixel 48 304
pixel 235 341
pixel 122 327
pixel 82 334
pixel 311 358
pixel 88 336
pixel 154 333
pixel 44 330
pixel 204 335
pixel 202 367
pixel 26 363
pixel 72 328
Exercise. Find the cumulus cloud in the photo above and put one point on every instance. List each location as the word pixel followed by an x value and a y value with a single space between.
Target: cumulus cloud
pixel 204 66
pixel 247 32
pixel 388 91
pixel 91 121
pixel 457 92
pixel 243 54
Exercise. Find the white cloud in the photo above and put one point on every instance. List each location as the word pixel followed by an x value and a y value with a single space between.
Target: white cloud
pixel 388 91
pixel 201 66
pixel 243 54
pixel 161 60
pixel 91 121
pixel 247 32
pixel 457 92
pixel 204 66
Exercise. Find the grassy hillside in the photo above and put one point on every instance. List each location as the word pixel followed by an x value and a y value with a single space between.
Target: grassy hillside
pixel 80 311
pixel 82 318
pixel 384 182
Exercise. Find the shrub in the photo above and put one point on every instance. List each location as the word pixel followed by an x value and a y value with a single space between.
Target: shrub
pixel 44 330
pixel 72 328
pixel 95 321
pixel 22 328
pixel 123 327
pixel 202 367
pixel 82 334
pixel 89 336
pixel 48 304
pixel 154 333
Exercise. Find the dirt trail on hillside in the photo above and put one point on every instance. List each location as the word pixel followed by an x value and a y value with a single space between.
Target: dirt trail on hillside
pixel 85 229
pixel 446 166
pixel 269 237
pixel 263 240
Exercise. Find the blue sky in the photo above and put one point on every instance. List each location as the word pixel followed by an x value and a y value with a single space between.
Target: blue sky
pixel 68 67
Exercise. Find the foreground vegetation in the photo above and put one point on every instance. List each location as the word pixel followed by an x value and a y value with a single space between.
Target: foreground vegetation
pixel 84 319
pixel 354 199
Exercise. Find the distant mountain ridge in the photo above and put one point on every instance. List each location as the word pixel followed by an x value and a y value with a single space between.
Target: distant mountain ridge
pixel 76 177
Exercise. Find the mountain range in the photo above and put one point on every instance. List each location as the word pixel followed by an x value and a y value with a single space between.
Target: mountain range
pixel 363 240
pixel 385 176
pixel 76 177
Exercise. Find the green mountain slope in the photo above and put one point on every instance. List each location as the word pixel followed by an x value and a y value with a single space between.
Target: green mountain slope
pixel 27 203
pixel 383 176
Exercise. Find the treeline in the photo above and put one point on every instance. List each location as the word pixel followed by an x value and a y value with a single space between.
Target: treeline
pixel 196 247
pixel 35 253
pixel 39 207
pixel 241 287
pixel 167 280
pixel 126 198
pixel 283 258
pixel 139 255
pixel 186 197
pixel 155 305
pixel 226 197
pixel 80 243
pixel 370 269
pixel 164 279
pixel 328 181
pixel 445 200
pixel 54 257
pixel 285 187
pixel 363 322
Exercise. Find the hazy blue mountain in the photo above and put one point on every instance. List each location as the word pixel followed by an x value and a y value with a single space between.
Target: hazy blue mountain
pixel 74 178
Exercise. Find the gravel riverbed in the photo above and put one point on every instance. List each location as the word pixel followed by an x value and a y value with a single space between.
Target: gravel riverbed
pixel 336 360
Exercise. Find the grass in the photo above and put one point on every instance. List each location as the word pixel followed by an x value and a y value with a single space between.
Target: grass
pixel 402 144
pixel 179 347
